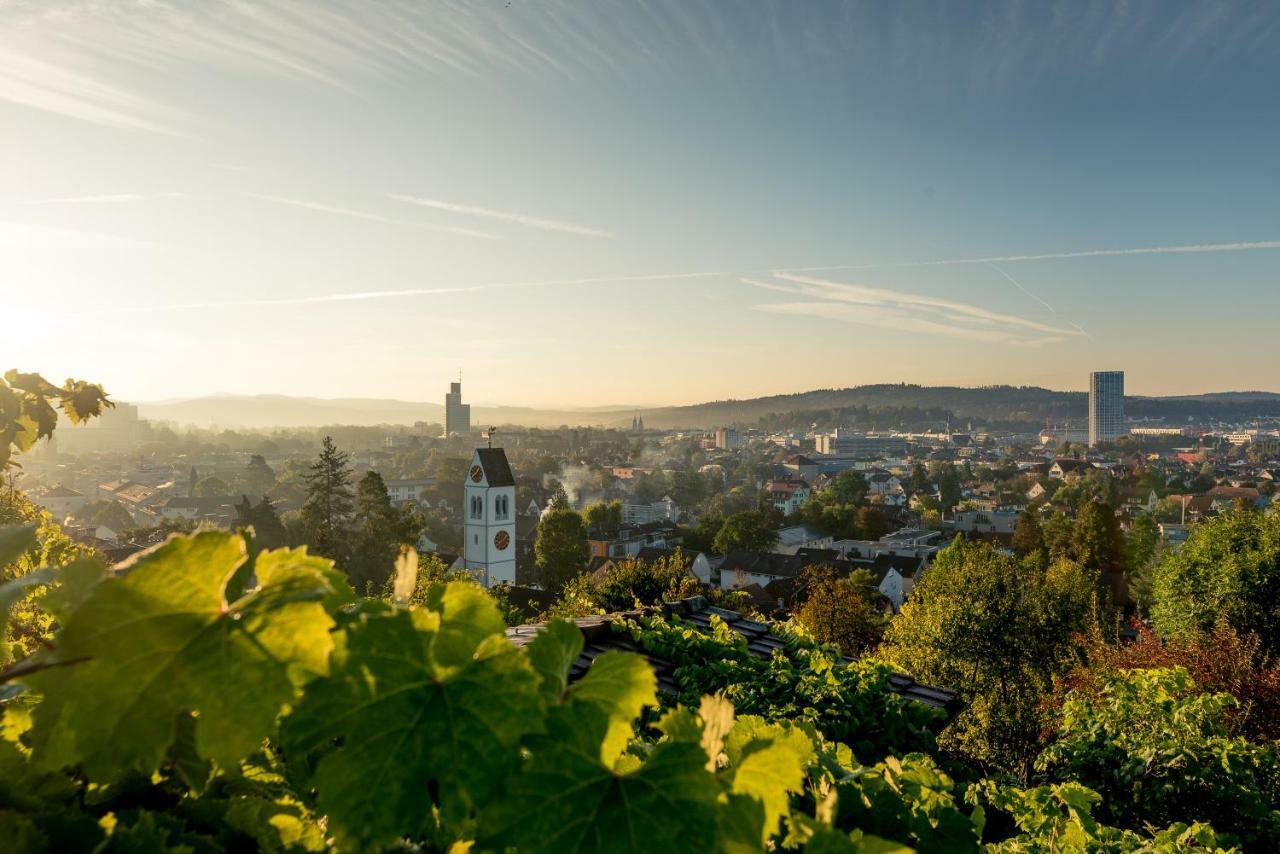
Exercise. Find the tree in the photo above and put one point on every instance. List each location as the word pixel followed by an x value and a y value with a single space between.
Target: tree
pixel 949 487
pixel 258 478
pixel 606 516
pixel 268 529
pixel 1157 750
pixel 846 612
pixel 919 480
pixel 211 487
pixel 746 532
pixel 834 510
pixel 1028 538
pixel 561 548
pixel 108 514
pixel 1230 568
pixel 326 512
pixel 381 531
pixel 1098 543
pixel 872 524
pixel 998 630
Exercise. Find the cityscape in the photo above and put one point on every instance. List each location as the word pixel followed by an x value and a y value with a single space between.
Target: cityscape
pixel 624 426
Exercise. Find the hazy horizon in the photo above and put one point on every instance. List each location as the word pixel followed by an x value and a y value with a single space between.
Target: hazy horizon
pixel 582 203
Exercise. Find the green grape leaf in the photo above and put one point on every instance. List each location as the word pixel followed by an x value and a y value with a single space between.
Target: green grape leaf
pixel 619 685
pixel 15 540
pixel 275 825
pixel 552 653
pixel 76 581
pixel 82 401
pixel 159 640
pixel 419 699
pixel 567 799
pixel 766 763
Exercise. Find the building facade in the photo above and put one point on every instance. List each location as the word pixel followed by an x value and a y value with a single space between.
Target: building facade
pixel 1106 406
pixel 457 415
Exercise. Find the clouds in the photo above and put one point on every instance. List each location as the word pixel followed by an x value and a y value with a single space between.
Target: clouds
pixel 340 211
pixel 1086 253
pixel 107 199
pixel 504 216
pixel 907 312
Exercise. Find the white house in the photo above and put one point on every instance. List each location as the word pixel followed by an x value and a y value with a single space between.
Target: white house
pixel 61 501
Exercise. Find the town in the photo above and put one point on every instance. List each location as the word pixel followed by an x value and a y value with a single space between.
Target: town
pixel 745 508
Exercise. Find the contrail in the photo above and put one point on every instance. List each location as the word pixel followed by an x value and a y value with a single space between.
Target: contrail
pixel 356 296
pixel 504 216
pixel 1020 287
pixel 1089 253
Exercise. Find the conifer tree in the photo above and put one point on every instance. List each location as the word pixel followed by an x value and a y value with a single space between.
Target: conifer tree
pixel 326 513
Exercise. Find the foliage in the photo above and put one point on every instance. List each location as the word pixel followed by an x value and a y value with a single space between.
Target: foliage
pixel 48 545
pixel 211 487
pixel 605 516
pixel 1157 751
pixel 326 514
pixel 268 529
pixel 1028 538
pixel 846 612
pixel 1098 543
pixel 806 681
pixel 27 412
pixel 834 510
pixel 209 699
pixel 107 514
pixel 1221 661
pixel 258 478
pixel 998 630
pixel 561 548
pixel 748 531
pixel 381 530
pixel 1229 567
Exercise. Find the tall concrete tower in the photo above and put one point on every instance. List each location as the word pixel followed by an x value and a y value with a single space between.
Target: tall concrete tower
pixel 457 415
pixel 489 548
pixel 1106 406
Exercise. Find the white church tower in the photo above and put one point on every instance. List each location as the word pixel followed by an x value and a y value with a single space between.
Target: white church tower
pixel 489 549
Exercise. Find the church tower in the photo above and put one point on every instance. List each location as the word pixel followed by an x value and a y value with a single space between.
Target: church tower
pixel 489 547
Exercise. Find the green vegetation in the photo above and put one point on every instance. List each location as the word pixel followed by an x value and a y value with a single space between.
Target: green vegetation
pixel 1229 568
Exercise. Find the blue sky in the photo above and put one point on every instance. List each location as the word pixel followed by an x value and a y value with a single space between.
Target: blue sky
pixel 589 203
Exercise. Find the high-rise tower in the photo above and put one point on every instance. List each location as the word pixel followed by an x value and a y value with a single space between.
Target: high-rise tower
pixel 1106 406
pixel 457 415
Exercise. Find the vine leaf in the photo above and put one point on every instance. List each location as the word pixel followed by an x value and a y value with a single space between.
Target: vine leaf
pixel 421 700
pixel 577 792
pixel 552 653
pixel 159 640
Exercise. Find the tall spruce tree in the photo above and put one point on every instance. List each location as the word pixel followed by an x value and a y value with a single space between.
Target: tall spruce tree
pixel 326 513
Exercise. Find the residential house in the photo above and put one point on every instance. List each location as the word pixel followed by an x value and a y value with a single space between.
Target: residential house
pixel 788 494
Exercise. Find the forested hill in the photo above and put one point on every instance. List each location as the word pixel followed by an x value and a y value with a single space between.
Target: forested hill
pixel 869 406
pixel 887 405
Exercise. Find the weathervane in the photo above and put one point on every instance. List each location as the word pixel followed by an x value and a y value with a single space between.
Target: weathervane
pixel 489 436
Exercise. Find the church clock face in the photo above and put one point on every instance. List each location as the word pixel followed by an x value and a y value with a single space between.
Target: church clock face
pixel 501 540
pixel 477 474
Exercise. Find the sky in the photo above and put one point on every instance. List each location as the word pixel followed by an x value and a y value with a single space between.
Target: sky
pixel 640 203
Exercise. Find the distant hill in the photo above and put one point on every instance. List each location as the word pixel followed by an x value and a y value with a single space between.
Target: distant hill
pixel 985 404
pixel 278 410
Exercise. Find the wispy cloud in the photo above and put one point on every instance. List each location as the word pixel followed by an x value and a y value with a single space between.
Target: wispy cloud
pixel 359 296
pixel 504 216
pixel 908 312
pixel 113 197
pixel 65 91
pixel 1088 253
pixel 22 236
pixel 333 209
